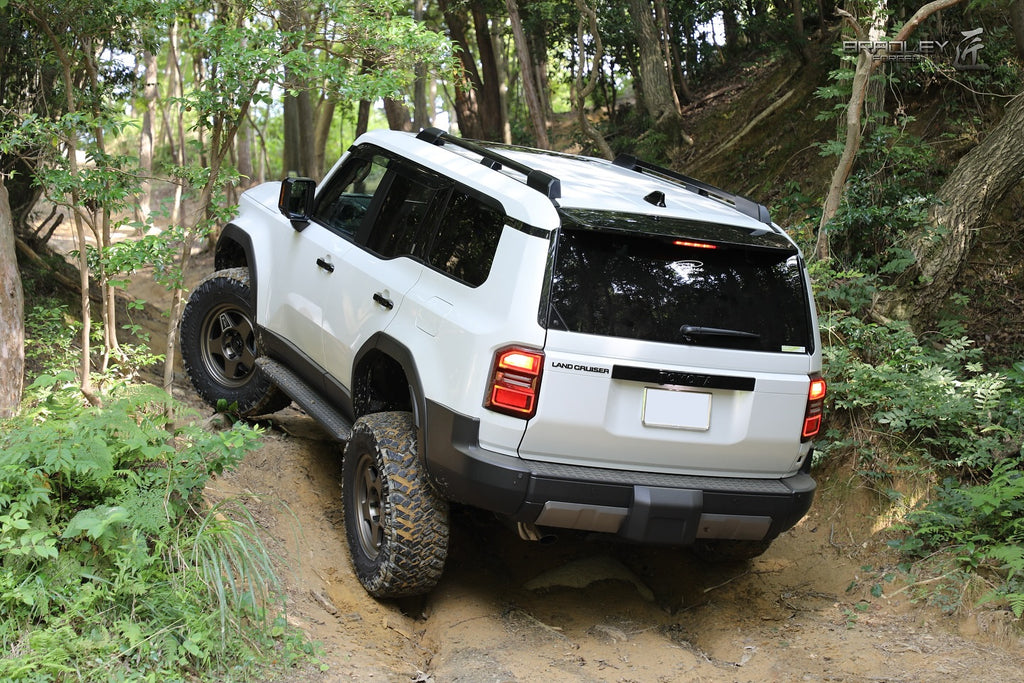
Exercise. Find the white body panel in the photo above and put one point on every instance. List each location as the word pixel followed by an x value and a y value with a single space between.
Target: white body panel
pixel 584 416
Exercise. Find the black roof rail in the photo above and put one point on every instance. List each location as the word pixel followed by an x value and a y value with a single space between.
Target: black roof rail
pixel 742 204
pixel 545 183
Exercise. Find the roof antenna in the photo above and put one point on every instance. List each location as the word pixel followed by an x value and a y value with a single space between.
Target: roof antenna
pixel 657 198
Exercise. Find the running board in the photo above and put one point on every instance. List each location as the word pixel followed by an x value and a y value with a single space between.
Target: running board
pixel 308 399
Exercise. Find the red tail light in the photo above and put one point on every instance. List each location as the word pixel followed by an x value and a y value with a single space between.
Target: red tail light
pixel 515 381
pixel 815 407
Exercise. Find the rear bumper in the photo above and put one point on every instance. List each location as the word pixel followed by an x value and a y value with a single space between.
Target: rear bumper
pixel 639 506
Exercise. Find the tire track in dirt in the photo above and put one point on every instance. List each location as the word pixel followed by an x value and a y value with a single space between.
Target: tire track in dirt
pixel 803 611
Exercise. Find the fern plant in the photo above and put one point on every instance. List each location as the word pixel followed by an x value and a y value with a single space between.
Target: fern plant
pixel 110 556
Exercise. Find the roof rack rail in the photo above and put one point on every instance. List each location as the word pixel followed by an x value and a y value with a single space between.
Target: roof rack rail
pixel 742 204
pixel 546 184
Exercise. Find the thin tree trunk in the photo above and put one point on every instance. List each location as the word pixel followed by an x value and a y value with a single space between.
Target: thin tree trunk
pixel 12 314
pixel 85 363
pixel 150 90
pixel 588 20
pixel 865 67
pixel 533 102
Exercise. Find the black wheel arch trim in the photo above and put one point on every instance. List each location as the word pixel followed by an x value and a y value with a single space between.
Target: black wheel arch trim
pixel 401 354
pixel 232 234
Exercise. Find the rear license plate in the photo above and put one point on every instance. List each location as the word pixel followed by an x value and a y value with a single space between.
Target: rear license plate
pixel 677 409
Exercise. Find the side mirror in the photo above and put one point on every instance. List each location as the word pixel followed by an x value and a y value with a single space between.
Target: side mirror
pixel 296 200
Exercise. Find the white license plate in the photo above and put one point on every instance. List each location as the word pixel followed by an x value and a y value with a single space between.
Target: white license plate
pixel 677 409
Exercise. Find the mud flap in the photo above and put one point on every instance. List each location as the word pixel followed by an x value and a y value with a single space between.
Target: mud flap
pixel 663 515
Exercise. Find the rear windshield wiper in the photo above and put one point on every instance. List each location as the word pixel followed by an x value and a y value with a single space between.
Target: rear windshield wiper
pixel 698 331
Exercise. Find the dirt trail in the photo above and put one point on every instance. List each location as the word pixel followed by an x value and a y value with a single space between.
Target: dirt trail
pixel 585 610
pixel 581 609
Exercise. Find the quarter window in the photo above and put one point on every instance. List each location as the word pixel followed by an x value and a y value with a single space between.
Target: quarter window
pixel 402 226
pixel 467 239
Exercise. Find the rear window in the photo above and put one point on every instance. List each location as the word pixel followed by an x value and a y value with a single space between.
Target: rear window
pixel 680 290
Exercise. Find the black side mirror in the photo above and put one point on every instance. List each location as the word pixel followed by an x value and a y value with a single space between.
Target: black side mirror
pixel 296 200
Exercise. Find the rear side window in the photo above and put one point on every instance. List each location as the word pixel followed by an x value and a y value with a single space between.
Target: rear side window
pixel 467 239
pixel 402 225
pixel 665 289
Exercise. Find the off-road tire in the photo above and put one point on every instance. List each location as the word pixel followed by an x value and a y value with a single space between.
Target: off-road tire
pixel 219 345
pixel 395 522
pixel 721 550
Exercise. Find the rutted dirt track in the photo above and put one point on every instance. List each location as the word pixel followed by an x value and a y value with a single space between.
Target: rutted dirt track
pixel 581 609
pixel 585 610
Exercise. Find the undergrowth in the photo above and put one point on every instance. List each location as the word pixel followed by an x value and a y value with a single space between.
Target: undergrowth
pixel 904 409
pixel 112 567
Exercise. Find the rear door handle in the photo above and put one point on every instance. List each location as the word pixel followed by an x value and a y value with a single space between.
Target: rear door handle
pixel 383 300
pixel 326 265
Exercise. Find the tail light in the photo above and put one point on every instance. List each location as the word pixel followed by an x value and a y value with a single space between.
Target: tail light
pixel 515 381
pixel 815 408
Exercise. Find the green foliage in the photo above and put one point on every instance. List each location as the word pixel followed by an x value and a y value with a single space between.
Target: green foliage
pixel 932 410
pixel 981 526
pixel 930 406
pixel 109 556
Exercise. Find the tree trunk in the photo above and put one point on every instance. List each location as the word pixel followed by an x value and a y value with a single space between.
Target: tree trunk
pixel 12 314
pixel 324 120
pixel 146 139
pixel 493 118
pixel 659 99
pixel 984 176
pixel 533 100
pixel 398 115
pixel 299 142
pixel 731 26
pixel 1017 21
pixel 422 112
pixel 363 117
pixel 243 152
pixel 861 79
pixel 799 36
pixel 467 86
pixel 581 91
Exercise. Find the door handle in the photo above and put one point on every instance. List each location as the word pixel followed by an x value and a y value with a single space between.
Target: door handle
pixel 383 300
pixel 326 265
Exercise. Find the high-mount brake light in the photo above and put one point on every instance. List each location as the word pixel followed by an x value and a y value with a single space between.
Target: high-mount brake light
pixel 515 381
pixel 815 408
pixel 694 245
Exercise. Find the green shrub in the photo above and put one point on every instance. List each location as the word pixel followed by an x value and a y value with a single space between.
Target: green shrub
pixel 931 406
pixel 110 560
pixel 981 526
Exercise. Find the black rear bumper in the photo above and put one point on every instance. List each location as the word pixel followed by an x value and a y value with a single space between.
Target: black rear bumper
pixel 639 506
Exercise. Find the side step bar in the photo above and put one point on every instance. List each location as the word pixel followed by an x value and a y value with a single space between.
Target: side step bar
pixel 307 398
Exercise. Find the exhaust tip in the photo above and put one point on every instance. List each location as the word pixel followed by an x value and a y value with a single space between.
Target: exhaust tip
pixel 530 532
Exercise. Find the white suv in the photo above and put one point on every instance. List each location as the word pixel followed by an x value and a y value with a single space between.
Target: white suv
pixel 564 341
